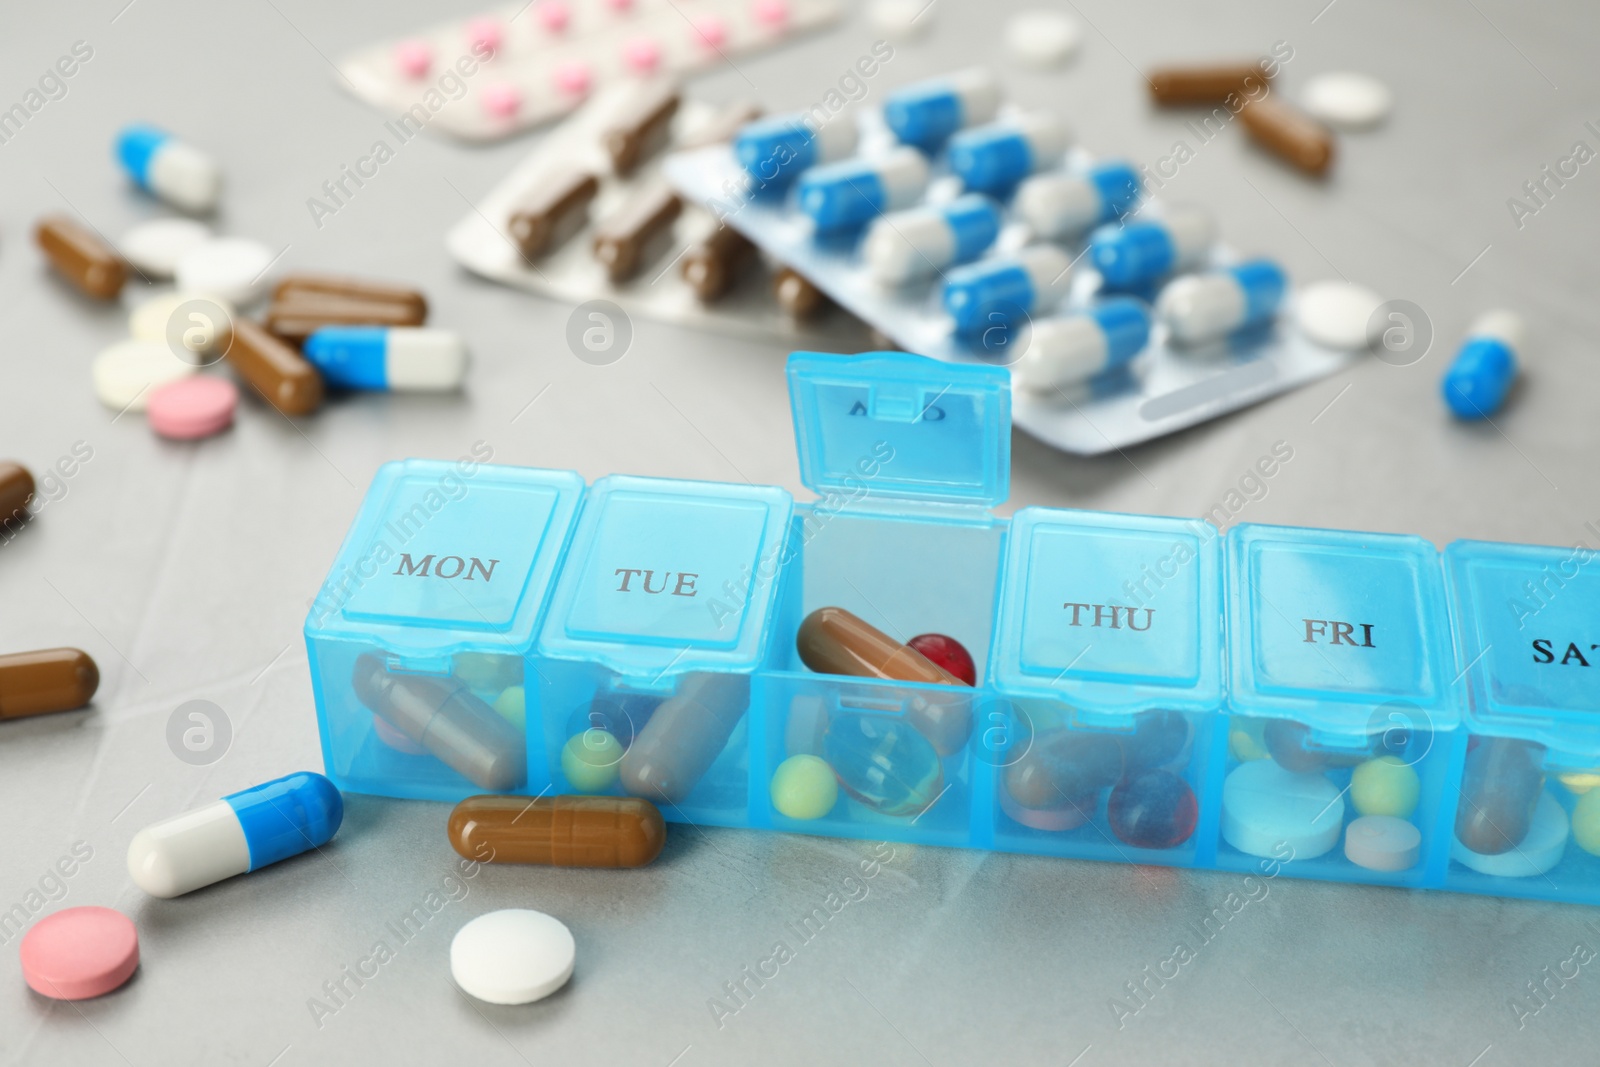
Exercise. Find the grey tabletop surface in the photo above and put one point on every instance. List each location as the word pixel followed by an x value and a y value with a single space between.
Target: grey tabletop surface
pixel 186 570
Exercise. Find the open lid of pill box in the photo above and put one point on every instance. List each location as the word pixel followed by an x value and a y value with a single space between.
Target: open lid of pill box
pixel 448 556
pixel 1347 632
pixel 905 427
pixel 1113 614
pixel 1527 632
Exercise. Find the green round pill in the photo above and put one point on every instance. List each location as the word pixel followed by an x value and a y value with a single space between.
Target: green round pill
pixel 512 704
pixel 590 760
pixel 1586 822
pixel 1385 786
pixel 803 787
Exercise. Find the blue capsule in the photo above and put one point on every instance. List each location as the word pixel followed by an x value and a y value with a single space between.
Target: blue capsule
pixel 774 151
pixel 1484 369
pixel 843 196
pixel 1004 291
pixel 176 172
pixel 1140 252
pixel 993 159
pixel 399 358
pixel 926 114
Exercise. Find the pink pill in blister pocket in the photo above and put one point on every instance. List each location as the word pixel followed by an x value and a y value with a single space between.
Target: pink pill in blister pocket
pixel 485 35
pixel 710 31
pixel 500 100
pixel 642 54
pixel 573 77
pixel 620 5
pixel 770 12
pixel 553 15
pixel 191 408
pixel 413 58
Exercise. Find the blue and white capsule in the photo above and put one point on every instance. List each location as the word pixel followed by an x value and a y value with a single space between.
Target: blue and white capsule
pixel 180 174
pixel 1138 253
pixel 403 359
pixel 774 151
pixel 240 833
pixel 1484 369
pixel 924 240
pixel 926 114
pixel 1059 205
pixel 1204 307
pixel 1060 352
pixel 850 194
pixel 1002 291
pixel 993 159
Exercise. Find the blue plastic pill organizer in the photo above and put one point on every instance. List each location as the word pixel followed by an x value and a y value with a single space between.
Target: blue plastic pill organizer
pixel 1114 652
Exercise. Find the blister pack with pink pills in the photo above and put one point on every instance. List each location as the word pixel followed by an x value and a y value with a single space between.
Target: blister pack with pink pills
pixel 523 64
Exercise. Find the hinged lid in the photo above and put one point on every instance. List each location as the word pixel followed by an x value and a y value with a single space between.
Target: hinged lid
pixel 902 426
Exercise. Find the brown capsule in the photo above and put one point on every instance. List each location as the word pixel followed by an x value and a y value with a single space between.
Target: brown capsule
pixel 1501 783
pixel 721 127
pixel 16 489
pixel 1290 134
pixel 352 289
pixel 712 266
pixel 1183 86
pixel 642 127
pixel 558 831
pixel 553 212
pixel 276 371
pixel 443 716
pixel 82 256
pixel 300 314
pixel 685 736
pixel 834 641
pixel 796 295
pixel 637 233
pixel 52 679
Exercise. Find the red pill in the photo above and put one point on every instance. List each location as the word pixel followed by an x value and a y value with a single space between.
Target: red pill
pixel 1152 809
pixel 948 653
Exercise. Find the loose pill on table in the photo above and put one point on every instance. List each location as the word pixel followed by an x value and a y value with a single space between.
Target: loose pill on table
pixel 884 763
pixel 1137 253
pixel 156 246
pixel 711 266
pixel 298 315
pixel 1539 850
pixel 804 787
pixel 78 953
pixel 1351 101
pixel 1291 134
pixel 400 358
pixel 277 372
pixel 637 233
pixel 364 290
pixel 192 408
pixel 1197 308
pixel 994 158
pixel 1337 314
pixel 589 761
pixel 1267 810
pixel 1058 352
pixel 1382 843
pixel 1502 782
pixel 1178 86
pixel 1061 205
pixel 684 736
pixel 198 323
pixel 796 295
pixel 775 150
pixel 899 20
pixel 1586 822
pixel 947 653
pixel 1152 809
pixel 234 268
pixel 1385 786
pixel 846 195
pixel 514 956
pixel 180 174
pixel 242 832
pixel 16 491
pixel 558 831
pixel 834 641
pixel 81 256
pixel 1041 37
pixel 641 125
pixel 126 373
pixel 45 681
pixel 1480 377
pixel 925 114
pixel 552 211
pixel 1004 291
pixel 444 716
pixel 922 241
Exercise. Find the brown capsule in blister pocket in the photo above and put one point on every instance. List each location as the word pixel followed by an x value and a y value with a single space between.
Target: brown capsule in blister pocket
pixel 796 295
pixel 558 831
pixel 1290 134
pixel 684 736
pixel 280 374
pixel 1206 84
pixel 714 264
pixel 641 127
pixel 554 210
pixel 16 489
pixel 1501 783
pixel 364 289
pixel 51 679
pixel 637 233
pixel 301 314
pixel 81 256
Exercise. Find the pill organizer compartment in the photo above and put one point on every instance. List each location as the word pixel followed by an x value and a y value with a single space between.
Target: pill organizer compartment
pixel 1526 812
pixel 419 636
pixel 1108 659
pixel 1340 702
pixel 907 456
pixel 658 621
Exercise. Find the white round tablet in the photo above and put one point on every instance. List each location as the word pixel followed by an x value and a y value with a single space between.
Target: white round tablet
pixel 198 322
pixel 900 19
pixel 1537 853
pixel 1336 314
pixel 515 956
pixel 1266 809
pixel 232 267
pixel 155 247
pixel 127 372
pixel 1040 37
pixel 1382 843
pixel 1352 101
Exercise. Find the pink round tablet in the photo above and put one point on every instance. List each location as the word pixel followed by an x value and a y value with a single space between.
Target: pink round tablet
pixel 485 35
pixel 192 408
pixel 619 5
pixel 80 953
pixel 553 15
pixel 501 100
pixel 413 58
pixel 642 54
pixel 573 77
pixel 710 31
pixel 771 12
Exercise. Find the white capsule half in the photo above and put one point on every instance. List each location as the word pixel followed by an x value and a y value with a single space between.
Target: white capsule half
pixel 189 851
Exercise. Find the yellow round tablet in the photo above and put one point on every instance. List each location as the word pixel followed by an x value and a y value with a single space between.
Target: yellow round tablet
pixel 803 787
pixel 1385 786
pixel 590 760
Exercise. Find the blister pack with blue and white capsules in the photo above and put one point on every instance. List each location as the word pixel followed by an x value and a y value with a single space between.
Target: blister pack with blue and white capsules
pixel 967 229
